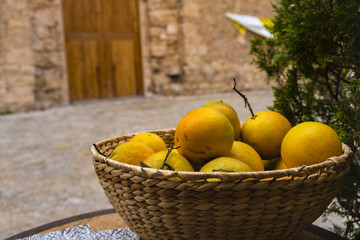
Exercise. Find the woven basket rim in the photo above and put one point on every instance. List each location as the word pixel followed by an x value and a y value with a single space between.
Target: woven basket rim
pixel 332 163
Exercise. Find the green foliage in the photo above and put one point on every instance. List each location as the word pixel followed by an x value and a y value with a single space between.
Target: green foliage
pixel 346 121
pixel 315 47
pixel 346 118
pixel 313 59
pixel 5 113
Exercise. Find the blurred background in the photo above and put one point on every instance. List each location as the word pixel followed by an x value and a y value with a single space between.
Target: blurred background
pixel 55 52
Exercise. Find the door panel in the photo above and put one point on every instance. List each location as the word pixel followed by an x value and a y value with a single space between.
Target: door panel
pixel 83 69
pixel 123 68
pixel 82 15
pixel 75 69
pixel 92 69
pixel 121 29
pixel 120 16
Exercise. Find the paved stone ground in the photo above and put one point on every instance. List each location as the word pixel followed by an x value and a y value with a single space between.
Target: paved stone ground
pixel 46 171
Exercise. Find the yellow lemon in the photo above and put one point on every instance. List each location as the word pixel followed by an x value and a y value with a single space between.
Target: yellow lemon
pixel 203 134
pixel 309 143
pixel 151 139
pixel 229 112
pixel 131 152
pixel 246 154
pixel 219 102
pixel 280 165
pixel 225 164
pixel 265 132
pixel 174 161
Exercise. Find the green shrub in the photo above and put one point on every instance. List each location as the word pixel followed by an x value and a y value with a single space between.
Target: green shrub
pixel 313 63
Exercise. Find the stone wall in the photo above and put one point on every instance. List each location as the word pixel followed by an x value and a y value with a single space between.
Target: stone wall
pixel 32 66
pixel 195 49
pixel 165 46
pixel 49 53
pixel 17 80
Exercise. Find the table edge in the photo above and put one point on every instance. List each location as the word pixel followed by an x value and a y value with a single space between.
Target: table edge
pixel 60 222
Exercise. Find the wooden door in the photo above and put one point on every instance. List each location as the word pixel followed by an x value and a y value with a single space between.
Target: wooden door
pixel 102 48
pixel 120 28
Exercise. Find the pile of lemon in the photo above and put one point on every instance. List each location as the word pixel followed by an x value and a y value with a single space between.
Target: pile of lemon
pixel 211 138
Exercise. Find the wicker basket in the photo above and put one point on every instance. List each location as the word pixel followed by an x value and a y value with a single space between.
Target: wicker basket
pixel 254 205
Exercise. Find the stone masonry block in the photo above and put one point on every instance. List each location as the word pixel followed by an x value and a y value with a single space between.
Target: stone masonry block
pixel 19 56
pixel 163 16
pixel 157 4
pixel 158 50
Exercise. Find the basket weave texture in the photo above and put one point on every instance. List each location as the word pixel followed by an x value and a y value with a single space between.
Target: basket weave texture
pixel 257 205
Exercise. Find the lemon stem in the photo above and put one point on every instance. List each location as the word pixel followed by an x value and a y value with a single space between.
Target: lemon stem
pixel 167 155
pixel 170 168
pixel 96 148
pixel 247 104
